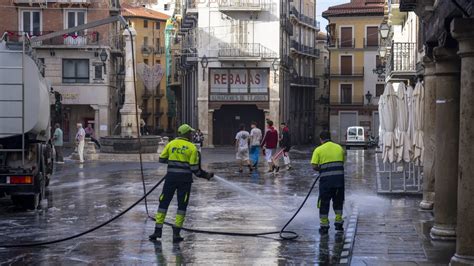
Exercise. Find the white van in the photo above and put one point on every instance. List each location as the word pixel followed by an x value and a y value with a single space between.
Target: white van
pixel 355 137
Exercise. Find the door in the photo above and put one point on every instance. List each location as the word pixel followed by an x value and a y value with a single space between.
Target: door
pixel 346 65
pixel 346 93
pixel 346 120
pixel 228 119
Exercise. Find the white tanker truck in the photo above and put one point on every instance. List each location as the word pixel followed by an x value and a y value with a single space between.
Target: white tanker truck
pixel 25 155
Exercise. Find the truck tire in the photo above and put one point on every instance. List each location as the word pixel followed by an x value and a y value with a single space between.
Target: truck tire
pixel 29 202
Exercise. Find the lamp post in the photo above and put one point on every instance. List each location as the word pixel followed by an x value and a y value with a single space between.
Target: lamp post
pixel 368 96
pixel 384 30
pixel 103 57
pixel 204 63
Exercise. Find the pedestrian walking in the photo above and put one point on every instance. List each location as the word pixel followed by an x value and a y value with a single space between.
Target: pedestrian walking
pixel 183 161
pixel 242 139
pixel 269 145
pixel 58 143
pixel 198 138
pixel 80 142
pixel 285 144
pixel 329 159
pixel 255 140
pixel 90 133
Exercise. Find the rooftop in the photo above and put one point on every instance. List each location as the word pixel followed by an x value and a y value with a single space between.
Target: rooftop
pixel 356 8
pixel 142 12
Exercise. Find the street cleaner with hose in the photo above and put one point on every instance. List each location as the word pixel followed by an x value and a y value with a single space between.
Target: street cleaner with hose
pixel 328 159
pixel 183 161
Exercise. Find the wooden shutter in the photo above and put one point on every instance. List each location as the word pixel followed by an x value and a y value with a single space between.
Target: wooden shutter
pixel 372 38
pixel 346 65
pixel 346 93
pixel 346 37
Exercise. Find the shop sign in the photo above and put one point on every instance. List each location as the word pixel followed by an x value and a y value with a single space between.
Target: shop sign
pixel 239 81
pixel 239 97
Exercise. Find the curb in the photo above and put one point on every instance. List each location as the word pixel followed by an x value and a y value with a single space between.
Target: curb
pixel 349 238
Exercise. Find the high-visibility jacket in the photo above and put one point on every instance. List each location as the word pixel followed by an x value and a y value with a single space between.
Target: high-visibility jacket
pixel 330 159
pixel 182 158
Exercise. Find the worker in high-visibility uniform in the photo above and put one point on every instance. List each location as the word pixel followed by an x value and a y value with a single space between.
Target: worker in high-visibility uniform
pixel 183 161
pixel 329 159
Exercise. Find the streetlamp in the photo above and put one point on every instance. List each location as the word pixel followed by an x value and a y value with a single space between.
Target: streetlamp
pixel 382 51
pixel 368 96
pixel 103 57
pixel 204 63
pixel 275 69
pixel 384 30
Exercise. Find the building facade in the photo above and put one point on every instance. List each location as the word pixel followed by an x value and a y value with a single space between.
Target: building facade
pixel 447 30
pixel 321 100
pixel 150 26
pixel 353 36
pixel 81 66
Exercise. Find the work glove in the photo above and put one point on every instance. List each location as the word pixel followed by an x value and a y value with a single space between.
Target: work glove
pixel 206 175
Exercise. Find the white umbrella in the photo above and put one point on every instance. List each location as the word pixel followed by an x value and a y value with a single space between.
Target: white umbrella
pixel 389 113
pixel 418 101
pixel 402 135
pixel 381 121
pixel 411 128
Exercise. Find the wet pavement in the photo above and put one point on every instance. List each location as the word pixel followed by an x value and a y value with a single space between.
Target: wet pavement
pixel 82 197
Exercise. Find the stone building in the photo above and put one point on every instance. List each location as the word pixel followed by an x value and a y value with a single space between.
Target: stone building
pixel 150 26
pixel 448 35
pixel 82 66
pixel 353 31
pixel 321 100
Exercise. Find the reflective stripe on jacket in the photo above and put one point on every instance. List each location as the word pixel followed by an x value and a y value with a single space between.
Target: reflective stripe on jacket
pixel 182 158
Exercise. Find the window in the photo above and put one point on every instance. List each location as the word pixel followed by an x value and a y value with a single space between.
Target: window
pixel 166 7
pixel 346 93
pixel 346 37
pixel 145 23
pixel 31 22
pixel 75 70
pixel 145 41
pixel 346 65
pixel 75 18
pixel 98 71
pixel 378 61
pixel 158 62
pixel 157 25
pixel 372 37
pixel 157 46
pixel 379 88
pixel 145 61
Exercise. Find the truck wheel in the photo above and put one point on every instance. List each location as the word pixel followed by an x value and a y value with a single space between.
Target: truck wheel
pixel 29 202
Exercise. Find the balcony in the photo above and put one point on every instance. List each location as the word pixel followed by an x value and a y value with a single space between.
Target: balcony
pixel 287 61
pixel 304 50
pixel 305 82
pixel 355 101
pixel 78 39
pixel 244 5
pixel 401 63
pixel 191 7
pixel 396 16
pixel 370 43
pixel 355 72
pixel 304 20
pixel 82 2
pixel 342 43
pixel 244 52
pixel 407 5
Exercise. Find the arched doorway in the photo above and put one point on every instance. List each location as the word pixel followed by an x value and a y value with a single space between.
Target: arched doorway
pixel 229 117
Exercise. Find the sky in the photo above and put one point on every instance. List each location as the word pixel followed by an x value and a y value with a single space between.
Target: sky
pixel 321 6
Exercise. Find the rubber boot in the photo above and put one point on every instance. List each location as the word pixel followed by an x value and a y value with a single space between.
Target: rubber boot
pixel 176 236
pixel 324 229
pixel 157 233
pixel 339 226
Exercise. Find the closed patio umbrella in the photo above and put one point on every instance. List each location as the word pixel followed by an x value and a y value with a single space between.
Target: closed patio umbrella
pixel 403 140
pixel 418 101
pixel 389 113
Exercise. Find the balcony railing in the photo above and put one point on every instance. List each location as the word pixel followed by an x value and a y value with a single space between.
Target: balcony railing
pixel 402 58
pixel 244 50
pixel 305 81
pixel 286 25
pixel 407 5
pixel 349 101
pixel 52 1
pixel 303 19
pixel 244 5
pixel 72 39
pixel 339 43
pixel 353 72
pixel 371 43
pixel 287 61
pixel 304 49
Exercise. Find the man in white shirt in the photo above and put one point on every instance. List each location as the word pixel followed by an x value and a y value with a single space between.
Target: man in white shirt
pixel 80 137
pixel 255 141
pixel 242 145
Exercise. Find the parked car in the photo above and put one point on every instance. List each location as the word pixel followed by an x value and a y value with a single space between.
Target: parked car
pixel 356 137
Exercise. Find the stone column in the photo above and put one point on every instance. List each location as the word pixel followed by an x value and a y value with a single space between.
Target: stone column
pixel 429 134
pixel 463 31
pixel 447 137
pixel 128 112
pixel 210 134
